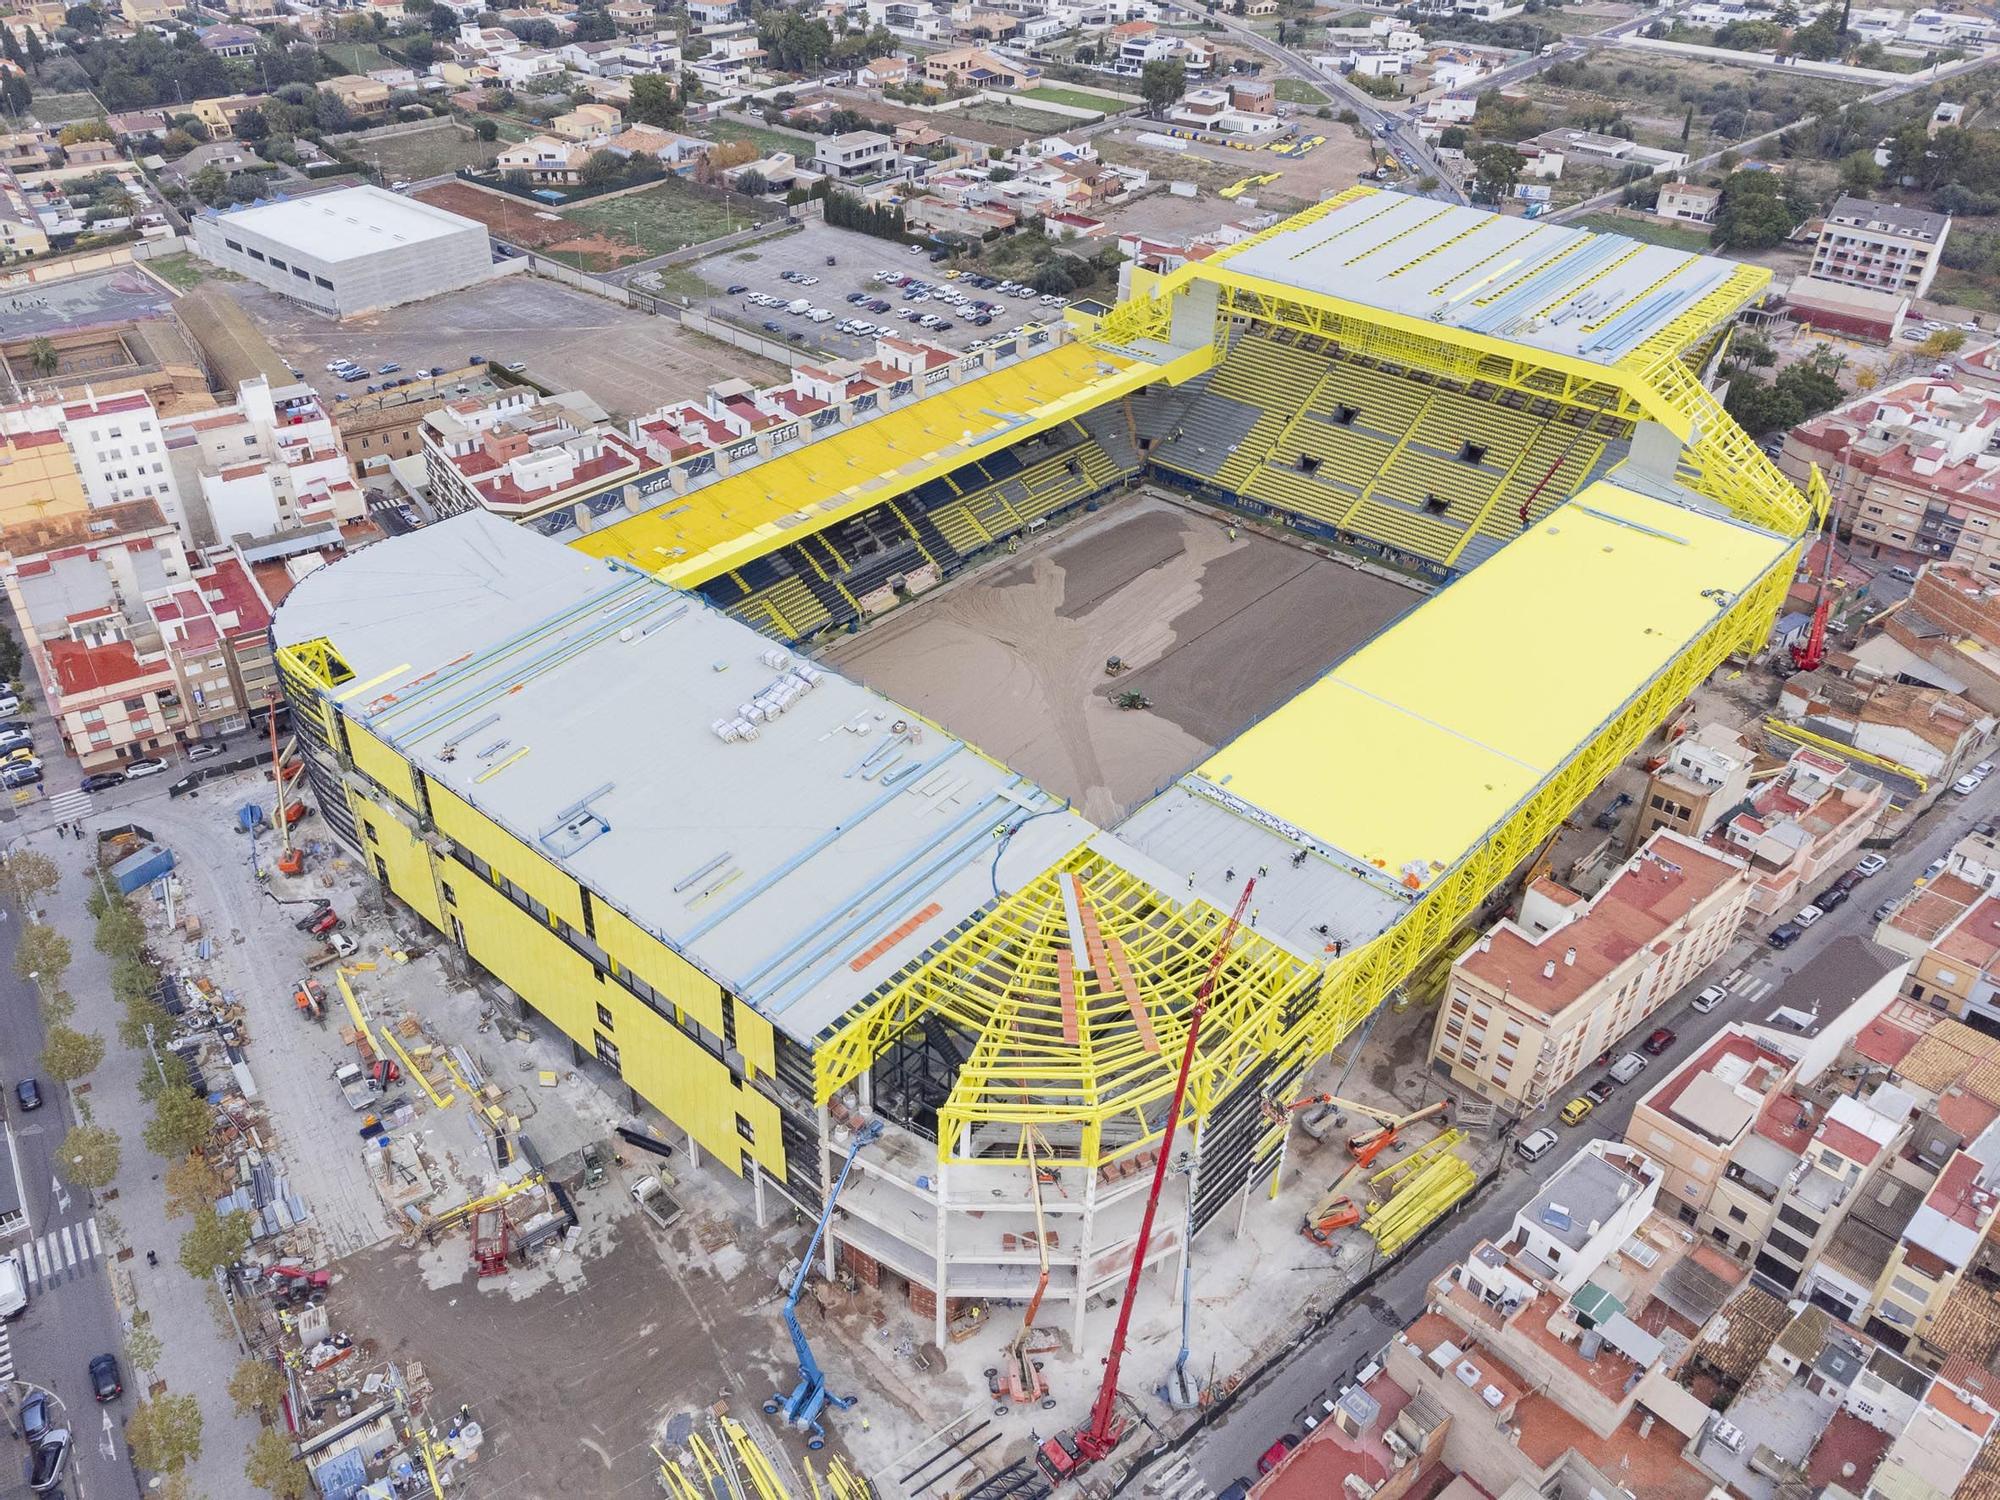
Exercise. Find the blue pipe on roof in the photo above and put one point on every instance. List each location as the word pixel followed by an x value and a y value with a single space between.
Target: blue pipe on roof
pixel 1531 293
pixel 884 894
pixel 757 888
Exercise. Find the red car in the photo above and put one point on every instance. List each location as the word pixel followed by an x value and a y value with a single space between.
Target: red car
pixel 1658 1042
pixel 1275 1454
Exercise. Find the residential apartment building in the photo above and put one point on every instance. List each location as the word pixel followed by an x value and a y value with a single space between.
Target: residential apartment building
pixel 1691 202
pixel 1800 828
pixel 1958 971
pixel 1912 471
pixel 1706 773
pixel 1723 1129
pixel 272 461
pixel 21 231
pixel 377 430
pixel 120 450
pixel 137 649
pixel 1853 1140
pixel 531 460
pixel 1948 635
pixel 1594 1203
pixel 1882 246
pixel 38 474
pixel 545 159
pixel 1939 1244
pixel 1539 996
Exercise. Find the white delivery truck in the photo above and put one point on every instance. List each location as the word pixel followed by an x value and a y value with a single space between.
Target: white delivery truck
pixel 13 1287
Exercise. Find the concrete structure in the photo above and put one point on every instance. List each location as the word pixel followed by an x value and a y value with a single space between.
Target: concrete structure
pixel 858 153
pixel 271 461
pixel 120 450
pixel 1722 1129
pixel 1706 773
pixel 38 473
pixel 1693 202
pixel 377 430
pixel 351 251
pixel 1913 475
pixel 837 887
pixel 1843 307
pixel 21 232
pixel 1536 999
pixel 1881 246
pixel 1584 1213
pixel 1801 827
pixel 138 650
pixel 521 458
pixel 1937 735
pixel 1854 1141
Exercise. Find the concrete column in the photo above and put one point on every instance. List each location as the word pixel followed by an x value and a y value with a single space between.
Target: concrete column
pixel 757 1191
pixel 942 1316
pixel 678 479
pixel 825 1191
pixel 1085 1234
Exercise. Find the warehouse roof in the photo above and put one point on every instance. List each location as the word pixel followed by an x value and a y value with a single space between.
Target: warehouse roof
pixel 1400 760
pixel 349 223
pixel 1565 291
pixel 800 856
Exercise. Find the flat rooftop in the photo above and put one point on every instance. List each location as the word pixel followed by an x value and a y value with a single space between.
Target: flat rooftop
pixel 690 538
pixel 1572 292
pixel 784 865
pixel 349 223
pixel 1401 759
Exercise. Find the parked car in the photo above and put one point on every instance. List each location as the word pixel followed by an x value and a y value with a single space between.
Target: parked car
pixel 1275 1454
pixel 1784 935
pixel 1661 1039
pixel 1829 898
pixel 1627 1068
pixel 1540 1144
pixel 35 1414
pixel 389 369
pixel 29 1093
pixel 1871 865
pixel 146 765
pixel 206 750
pixel 1806 915
pixel 1887 909
pixel 1711 996
pixel 100 781
pixel 1966 785
pixel 1848 880
pixel 105 1384
pixel 45 1472
pixel 1601 1091
pixel 738 290
pixel 13 778
pixel 9 704
pixel 1577 1110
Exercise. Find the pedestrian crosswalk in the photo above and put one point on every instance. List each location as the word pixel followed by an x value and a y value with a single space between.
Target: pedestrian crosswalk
pixel 74 803
pixel 1747 986
pixel 6 1359
pixel 1178 1480
pixel 61 1254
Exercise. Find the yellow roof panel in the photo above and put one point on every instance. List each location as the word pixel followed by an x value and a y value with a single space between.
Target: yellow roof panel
pixel 1411 749
pixel 687 539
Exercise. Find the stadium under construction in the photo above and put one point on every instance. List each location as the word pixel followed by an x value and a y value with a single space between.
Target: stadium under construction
pixel 597 756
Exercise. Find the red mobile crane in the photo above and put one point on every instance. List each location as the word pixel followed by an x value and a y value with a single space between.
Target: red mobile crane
pixel 1069 1453
pixel 1808 655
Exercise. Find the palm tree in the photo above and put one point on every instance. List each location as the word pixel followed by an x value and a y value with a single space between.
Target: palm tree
pixel 42 355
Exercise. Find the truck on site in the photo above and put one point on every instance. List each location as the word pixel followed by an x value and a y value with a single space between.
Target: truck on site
pixel 356 1087
pixel 310 1000
pixel 651 1196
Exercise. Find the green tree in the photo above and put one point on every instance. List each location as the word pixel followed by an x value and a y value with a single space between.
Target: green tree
pixel 1687 124
pixel 144 1348
pixel 209 185
pixel 28 876
pixel 15 94
pixel 1454 137
pixel 602 169
pixel 68 1055
pixel 655 101
pixel 165 1433
pixel 1858 172
pixel 1753 214
pixel 486 130
pixel 1496 167
pixel 192 1184
pixel 133 981
pixel 90 1156
pixel 215 1241
pixel 42 955
pixel 274 1468
pixel 258 1388
pixel 121 934
pixel 181 1124
pixel 1819 41
pixel 36 52
pixel 42 355
pixel 1944 341
pixel 1162 81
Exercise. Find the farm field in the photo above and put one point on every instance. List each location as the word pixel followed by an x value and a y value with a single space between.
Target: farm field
pixel 1673 236
pixel 61 109
pixel 356 57
pixel 1050 93
pixel 606 234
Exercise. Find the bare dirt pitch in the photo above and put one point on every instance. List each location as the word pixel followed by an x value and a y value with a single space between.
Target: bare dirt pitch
pixel 1215 632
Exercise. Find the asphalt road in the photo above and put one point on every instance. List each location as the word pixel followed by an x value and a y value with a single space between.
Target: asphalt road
pixel 1271 1409
pixel 71 1316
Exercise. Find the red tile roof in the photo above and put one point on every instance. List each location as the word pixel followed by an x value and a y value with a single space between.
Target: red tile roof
pixel 79 668
pixel 1847 1453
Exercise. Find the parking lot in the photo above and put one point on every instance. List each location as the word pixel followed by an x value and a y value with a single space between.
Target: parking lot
pixel 856 258
pixel 565 340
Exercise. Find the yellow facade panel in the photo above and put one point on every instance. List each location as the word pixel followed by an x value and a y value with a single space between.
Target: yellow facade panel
pixel 756 1041
pixel 1409 751
pixel 387 767
pixel 464 824
pixel 406 857
pixel 526 956
pixel 672 976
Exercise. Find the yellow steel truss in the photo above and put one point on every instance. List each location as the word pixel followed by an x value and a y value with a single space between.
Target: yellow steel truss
pixel 1800 735
pixel 1427 1192
pixel 1088 1072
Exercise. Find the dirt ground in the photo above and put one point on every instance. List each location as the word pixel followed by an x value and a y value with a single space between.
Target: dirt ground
pixel 1215 632
pixel 569 340
pixel 532 228
pixel 1303 180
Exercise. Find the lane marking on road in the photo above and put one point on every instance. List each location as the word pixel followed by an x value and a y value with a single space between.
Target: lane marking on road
pixel 6 1357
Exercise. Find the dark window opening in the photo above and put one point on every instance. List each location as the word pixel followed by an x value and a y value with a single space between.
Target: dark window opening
pixel 1345 416
pixel 1435 505
pixel 1308 464
pixel 604 1017
pixel 744 1129
pixel 607 1050
pixel 1472 453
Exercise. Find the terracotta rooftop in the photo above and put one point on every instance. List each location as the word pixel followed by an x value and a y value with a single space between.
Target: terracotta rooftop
pixel 1645 900
pixel 1847 1453
pixel 79 668
pixel 1763 1064
pixel 1968 1323
pixel 1891 1036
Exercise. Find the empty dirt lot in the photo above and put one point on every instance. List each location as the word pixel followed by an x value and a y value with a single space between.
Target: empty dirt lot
pixel 568 339
pixel 1215 632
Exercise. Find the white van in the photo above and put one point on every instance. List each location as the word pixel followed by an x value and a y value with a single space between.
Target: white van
pixel 798 306
pixel 13 1287
pixel 820 315
pixel 1628 1067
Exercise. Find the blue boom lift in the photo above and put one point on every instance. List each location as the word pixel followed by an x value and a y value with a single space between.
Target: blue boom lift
pixel 810 1397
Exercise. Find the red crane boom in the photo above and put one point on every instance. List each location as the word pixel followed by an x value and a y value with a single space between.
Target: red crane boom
pixel 1100 1436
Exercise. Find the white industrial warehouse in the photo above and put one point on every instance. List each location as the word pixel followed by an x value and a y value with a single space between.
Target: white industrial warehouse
pixel 351 251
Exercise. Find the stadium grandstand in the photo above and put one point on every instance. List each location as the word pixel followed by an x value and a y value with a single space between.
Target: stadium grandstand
pixel 774 901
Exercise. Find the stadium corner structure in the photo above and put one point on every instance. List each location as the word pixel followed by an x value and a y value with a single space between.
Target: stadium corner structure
pixel 773 902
